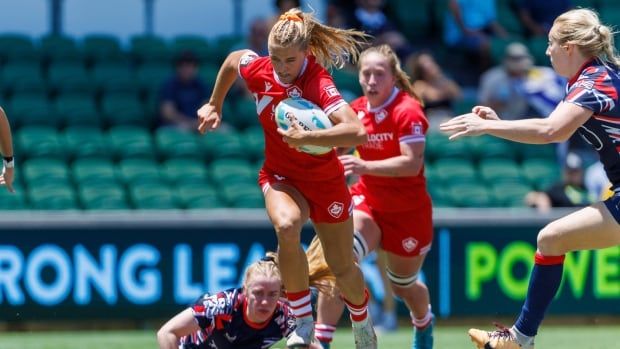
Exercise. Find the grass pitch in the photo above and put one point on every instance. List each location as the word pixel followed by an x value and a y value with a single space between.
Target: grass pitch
pixel 446 337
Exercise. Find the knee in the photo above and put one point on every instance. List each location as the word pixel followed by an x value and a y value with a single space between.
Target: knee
pixel 547 241
pixel 288 231
pixel 340 268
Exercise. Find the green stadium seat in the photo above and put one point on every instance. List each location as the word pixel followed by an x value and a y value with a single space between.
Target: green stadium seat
pixel 538 48
pixel 541 173
pixel 174 143
pixel 180 171
pixel 536 151
pixel 59 48
pixel 101 47
pixel 66 77
pixel 94 172
pixel 13 201
pixel 123 110
pixel 31 110
pixel 243 114
pixel 115 78
pixel 30 85
pixel 153 196
pixel 242 195
pixel 40 171
pixel 133 171
pixel 227 171
pixel 149 48
pixel 208 73
pixel 453 171
pixel 151 76
pixel 254 142
pixel 108 197
pixel 197 44
pixel 58 197
pixel 130 142
pixel 470 195
pixel 509 19
pixel 14 72
pixel 17 48
pixel 511 195
pixel 194 196
pixel 222 144
pixel 38 141
pixel 85 142
pixel 76 110
pixel 498 48
pixel 414 23
pixel 438 146
pixel 489 147
pixel 500 170
pixel 222 46
pixel 347 80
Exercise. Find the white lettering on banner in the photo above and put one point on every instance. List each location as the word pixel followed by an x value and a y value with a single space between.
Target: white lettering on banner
pixel 146 288
pixel 101 274
pixel 57 290
pixel 11 268
pixel 220 269
pixel 184 290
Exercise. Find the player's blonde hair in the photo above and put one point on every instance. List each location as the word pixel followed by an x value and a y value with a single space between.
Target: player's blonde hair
pixel 583 28
pixel 332 47
pixel 266 267
pixel 320 276
pixel 403 81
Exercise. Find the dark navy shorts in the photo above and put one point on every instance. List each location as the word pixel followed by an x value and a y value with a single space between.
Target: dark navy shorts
pixel 613 205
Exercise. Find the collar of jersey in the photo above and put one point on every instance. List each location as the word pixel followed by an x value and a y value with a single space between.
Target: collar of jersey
pixel 573 79
pixel 303 69
pixel 395 91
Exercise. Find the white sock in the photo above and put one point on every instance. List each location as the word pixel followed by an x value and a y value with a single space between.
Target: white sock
pixel 524 341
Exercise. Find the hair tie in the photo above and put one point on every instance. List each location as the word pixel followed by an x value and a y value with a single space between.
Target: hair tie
pixel 290 17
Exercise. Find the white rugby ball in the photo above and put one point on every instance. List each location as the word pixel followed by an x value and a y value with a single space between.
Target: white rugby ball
pixel 308 115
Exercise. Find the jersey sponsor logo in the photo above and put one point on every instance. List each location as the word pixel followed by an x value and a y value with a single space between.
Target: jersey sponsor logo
pixel 293 92
pixel 409 244
pixel 335 209
pixel 246 59
pixel 380 116
pixel 331 91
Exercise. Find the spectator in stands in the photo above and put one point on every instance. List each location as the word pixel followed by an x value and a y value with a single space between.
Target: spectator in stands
pixel 282 6
pixel 569 192
pixel 257 36
pixel 6 146
pixel 537 16
pixel 369 17
pixel 517 88
pixel 182 94
pixel 596 181
pixel 430 83
pixel 253 316
pixel 470 25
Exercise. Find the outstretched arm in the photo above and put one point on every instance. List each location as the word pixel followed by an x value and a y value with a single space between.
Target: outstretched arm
pixel 6 144
pixel 179 326
pixel 210 114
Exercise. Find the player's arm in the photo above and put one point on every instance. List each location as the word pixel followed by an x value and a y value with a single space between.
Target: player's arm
pixel 210 114
pixel 179 326
pixel 408 163
pixel 348 131
pixel 6 139
pixel 558 127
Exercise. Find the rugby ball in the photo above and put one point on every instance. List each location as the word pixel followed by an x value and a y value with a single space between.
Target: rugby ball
pixel 307 115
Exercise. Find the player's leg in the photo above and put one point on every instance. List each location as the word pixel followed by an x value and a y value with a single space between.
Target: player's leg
pixel 403 273
pixel 337 242
pixel 590 228
pixel 329 309
pixel 288 211
pixel 389 319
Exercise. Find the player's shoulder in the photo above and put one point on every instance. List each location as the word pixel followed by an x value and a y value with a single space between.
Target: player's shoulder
pixel 360 103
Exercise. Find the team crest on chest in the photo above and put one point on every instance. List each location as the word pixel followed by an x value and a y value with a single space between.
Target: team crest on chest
pixel 293 92
pixel 380 116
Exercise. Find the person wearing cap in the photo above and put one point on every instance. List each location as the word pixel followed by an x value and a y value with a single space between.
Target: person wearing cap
pixel 517 87
pixel 569 192
pixel 182 94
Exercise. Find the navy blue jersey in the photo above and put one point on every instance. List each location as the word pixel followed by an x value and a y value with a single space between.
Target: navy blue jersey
pixel 596 88
pixel 223 324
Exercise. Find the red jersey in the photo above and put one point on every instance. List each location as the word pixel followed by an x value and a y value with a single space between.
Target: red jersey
pixel 313 84
pixel 399 120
